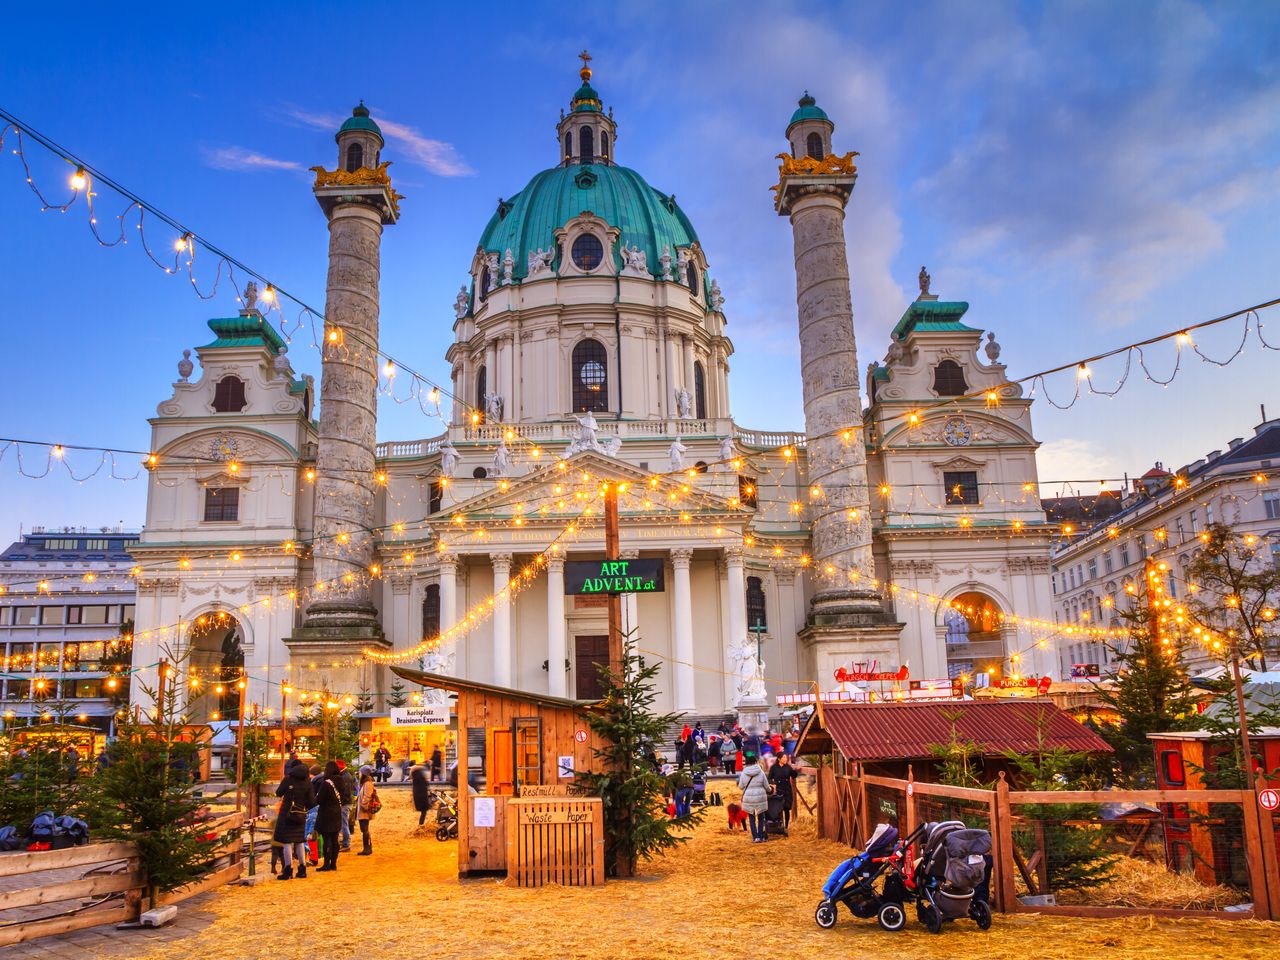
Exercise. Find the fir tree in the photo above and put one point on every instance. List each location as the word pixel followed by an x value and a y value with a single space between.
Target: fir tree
pixel 634 792
pixel 397 697
pixel 959 760
pixel 364 701
pixel 1233 592
pixel 148 784
pixel 1149 690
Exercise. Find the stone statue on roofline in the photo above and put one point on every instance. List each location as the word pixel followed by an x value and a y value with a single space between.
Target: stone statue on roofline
pixel 185 367
pixel 717 298
pixel 992 348
pixel 281 364
pixel 748 670
pixel 635 262
pixel 539 261
pixel 684 403
pixel 664 261
pixel 727 453
pixel 493 407
pixel 925 280
pixel 675 454
pixel 501 459
pixel 461 303
pixel 448 459
pixel 508 267
pixel 250 299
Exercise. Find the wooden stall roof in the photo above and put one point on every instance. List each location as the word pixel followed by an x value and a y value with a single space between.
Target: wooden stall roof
pixel 440 681
pixel 907 731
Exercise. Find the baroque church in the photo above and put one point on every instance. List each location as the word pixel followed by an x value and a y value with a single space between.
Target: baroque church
pixel 591 345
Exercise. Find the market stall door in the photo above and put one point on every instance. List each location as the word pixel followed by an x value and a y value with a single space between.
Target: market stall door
pixel 589 653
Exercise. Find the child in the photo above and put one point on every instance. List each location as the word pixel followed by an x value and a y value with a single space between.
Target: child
pixel 737 817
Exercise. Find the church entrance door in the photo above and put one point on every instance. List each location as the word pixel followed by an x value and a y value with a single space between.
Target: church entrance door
pixel 589 652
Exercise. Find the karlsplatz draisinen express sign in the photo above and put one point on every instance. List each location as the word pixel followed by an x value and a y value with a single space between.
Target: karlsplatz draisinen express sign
pixel 603 577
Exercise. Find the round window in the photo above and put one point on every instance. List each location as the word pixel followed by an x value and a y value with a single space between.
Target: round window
pixel 479 473
pixel 591 374
pixel 587 252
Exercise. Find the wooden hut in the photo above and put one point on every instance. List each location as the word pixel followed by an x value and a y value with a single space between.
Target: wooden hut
pixel 523 750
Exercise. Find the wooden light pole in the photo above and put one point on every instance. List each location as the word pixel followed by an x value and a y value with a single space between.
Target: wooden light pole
pixel 611 553
pixel 241 685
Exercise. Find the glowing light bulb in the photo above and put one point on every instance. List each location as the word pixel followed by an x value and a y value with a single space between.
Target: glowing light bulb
pixel 269 294
pixel 79 179
pixel 1082 371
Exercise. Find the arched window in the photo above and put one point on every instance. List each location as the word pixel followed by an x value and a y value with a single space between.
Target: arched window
pixel 485 278
pixel 355 157
pixel 948 379
pixel 586 145
pixel 228 395
pixel 590 377
pixel 699 390
pixel 813 145
pixel 692 271
pixel 604 146
pixel 568 145
pixel 587 252
pixel 757 614
pixel 482 387
pixel 431 611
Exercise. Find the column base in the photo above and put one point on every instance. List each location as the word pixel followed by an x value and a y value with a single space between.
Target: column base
pixel 844 633
pixel 326 641
pixel 833 607
pixel 753 715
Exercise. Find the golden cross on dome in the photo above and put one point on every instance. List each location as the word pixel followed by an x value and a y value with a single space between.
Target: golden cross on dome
pixel 585 72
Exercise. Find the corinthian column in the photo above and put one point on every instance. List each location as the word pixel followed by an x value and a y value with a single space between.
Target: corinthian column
pixel 682 652
pixel 501 618
pixel 557 644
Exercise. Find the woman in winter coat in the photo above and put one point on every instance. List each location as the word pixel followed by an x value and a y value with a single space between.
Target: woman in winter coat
pixel 729 755
pixel 296 798
pixel 328 788
pixel 364 813
pixel 421 792
pixel 755 796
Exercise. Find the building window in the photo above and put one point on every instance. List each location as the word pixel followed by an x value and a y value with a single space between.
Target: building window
pixel 1124 555
pixel 1106 561
pixel 53 615
pixel 431 611
pixel 1271 504
pixel 437 496
pixel 485 278
pixel 813 145
pixel 482 387
pixel 355 157
pixel 62 544
pixel 586 145
pixel 757 614
pixel 691 269
pixel 604 146
pixel 1093 568
pixel 228 395
pixel 747 495
pixel 699 389
pixel 590 376
pixel 587 252
pixel 221 504
pixel 948 379
pixel 568 145
pixel 961 486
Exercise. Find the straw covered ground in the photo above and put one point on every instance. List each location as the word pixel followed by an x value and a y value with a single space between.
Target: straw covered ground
pixel 719 896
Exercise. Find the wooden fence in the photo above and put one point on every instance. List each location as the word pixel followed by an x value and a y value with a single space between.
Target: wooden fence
pixel 555 840
pixel 95 884
pixel 849 808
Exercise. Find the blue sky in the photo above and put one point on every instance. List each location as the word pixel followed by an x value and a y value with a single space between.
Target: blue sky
pixel 1084 174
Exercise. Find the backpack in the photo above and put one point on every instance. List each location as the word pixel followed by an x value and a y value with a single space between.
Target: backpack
pixel 9 839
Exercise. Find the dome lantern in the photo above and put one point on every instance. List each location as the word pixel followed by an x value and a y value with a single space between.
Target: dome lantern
pixel 810 130
pixel 586 133
pixel 359 141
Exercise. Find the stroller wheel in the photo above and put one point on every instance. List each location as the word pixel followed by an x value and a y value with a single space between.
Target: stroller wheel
pixel 981 914
pixel 825 915
pixel 931 918
pixel 892 917
pixel 442 833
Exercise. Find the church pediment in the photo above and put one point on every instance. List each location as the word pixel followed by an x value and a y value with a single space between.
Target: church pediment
pixel 227 444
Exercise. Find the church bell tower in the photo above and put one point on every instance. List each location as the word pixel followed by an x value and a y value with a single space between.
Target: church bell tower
pixel 358 200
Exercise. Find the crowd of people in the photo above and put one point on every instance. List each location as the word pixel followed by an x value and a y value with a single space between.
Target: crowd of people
pixel 319 807
pixel 725 751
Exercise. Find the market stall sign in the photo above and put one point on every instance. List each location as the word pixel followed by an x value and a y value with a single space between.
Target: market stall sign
pixel 1040 685
pixel 867 673
pixel 592 577
pixel 426 715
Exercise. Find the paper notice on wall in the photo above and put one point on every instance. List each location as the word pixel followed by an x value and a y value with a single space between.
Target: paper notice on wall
pixel 484 813
pixel 566 767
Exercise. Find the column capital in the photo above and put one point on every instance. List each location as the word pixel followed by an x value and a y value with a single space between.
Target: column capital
pixel 680 557
pixel 628 554
pixel 733 555
pixel 555 564
pixel 449 561
pixel 500 560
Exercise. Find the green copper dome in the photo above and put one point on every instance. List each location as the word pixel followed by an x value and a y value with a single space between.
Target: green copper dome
pixel 586 98
pixel 808 110
pixel 359 120
pixel 647 218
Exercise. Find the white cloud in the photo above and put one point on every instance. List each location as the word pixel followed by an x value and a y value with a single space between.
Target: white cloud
pixel 242 158
pixel 1070 458
pixel 438 156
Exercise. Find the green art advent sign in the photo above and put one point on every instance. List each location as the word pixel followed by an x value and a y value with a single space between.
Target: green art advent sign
pixel 603 577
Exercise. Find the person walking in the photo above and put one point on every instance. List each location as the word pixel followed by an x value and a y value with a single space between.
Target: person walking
pixel 317 772
pixel 437 763
pixel 755 796
pixel 347 787
pixel 329 813
pixel 782 776
pixel 367 804
pixel 296 798
pixel 421 792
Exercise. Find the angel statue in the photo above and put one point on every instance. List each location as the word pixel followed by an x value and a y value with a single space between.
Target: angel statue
pixel 684 403
pixel 461 303
pixel 493 407
pixel 539 260
pixel 448 459
pixel 501 459
pixel 676 453
pixel 748 670
pixel 727 453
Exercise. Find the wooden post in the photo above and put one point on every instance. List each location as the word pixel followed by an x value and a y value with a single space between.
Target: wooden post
pixel 284 727
pixel 164 670
pixel 241 684
pixel 1247 758
pixel 611 553
pixel 1005 866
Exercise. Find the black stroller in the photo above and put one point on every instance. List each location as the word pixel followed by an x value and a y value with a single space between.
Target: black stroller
pixel 952 876
pixel 773 819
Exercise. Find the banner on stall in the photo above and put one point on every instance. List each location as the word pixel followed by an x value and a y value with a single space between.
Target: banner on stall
pixel 426 715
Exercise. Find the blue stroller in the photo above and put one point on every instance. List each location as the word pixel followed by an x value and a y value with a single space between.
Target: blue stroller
pixel 853 884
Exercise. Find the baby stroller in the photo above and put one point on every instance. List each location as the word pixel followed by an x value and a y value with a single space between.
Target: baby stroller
pixel 446 818
pixel 773 821
pixel 949 874
pixel 853 884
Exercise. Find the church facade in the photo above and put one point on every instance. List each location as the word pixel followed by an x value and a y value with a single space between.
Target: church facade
pixel 591 346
